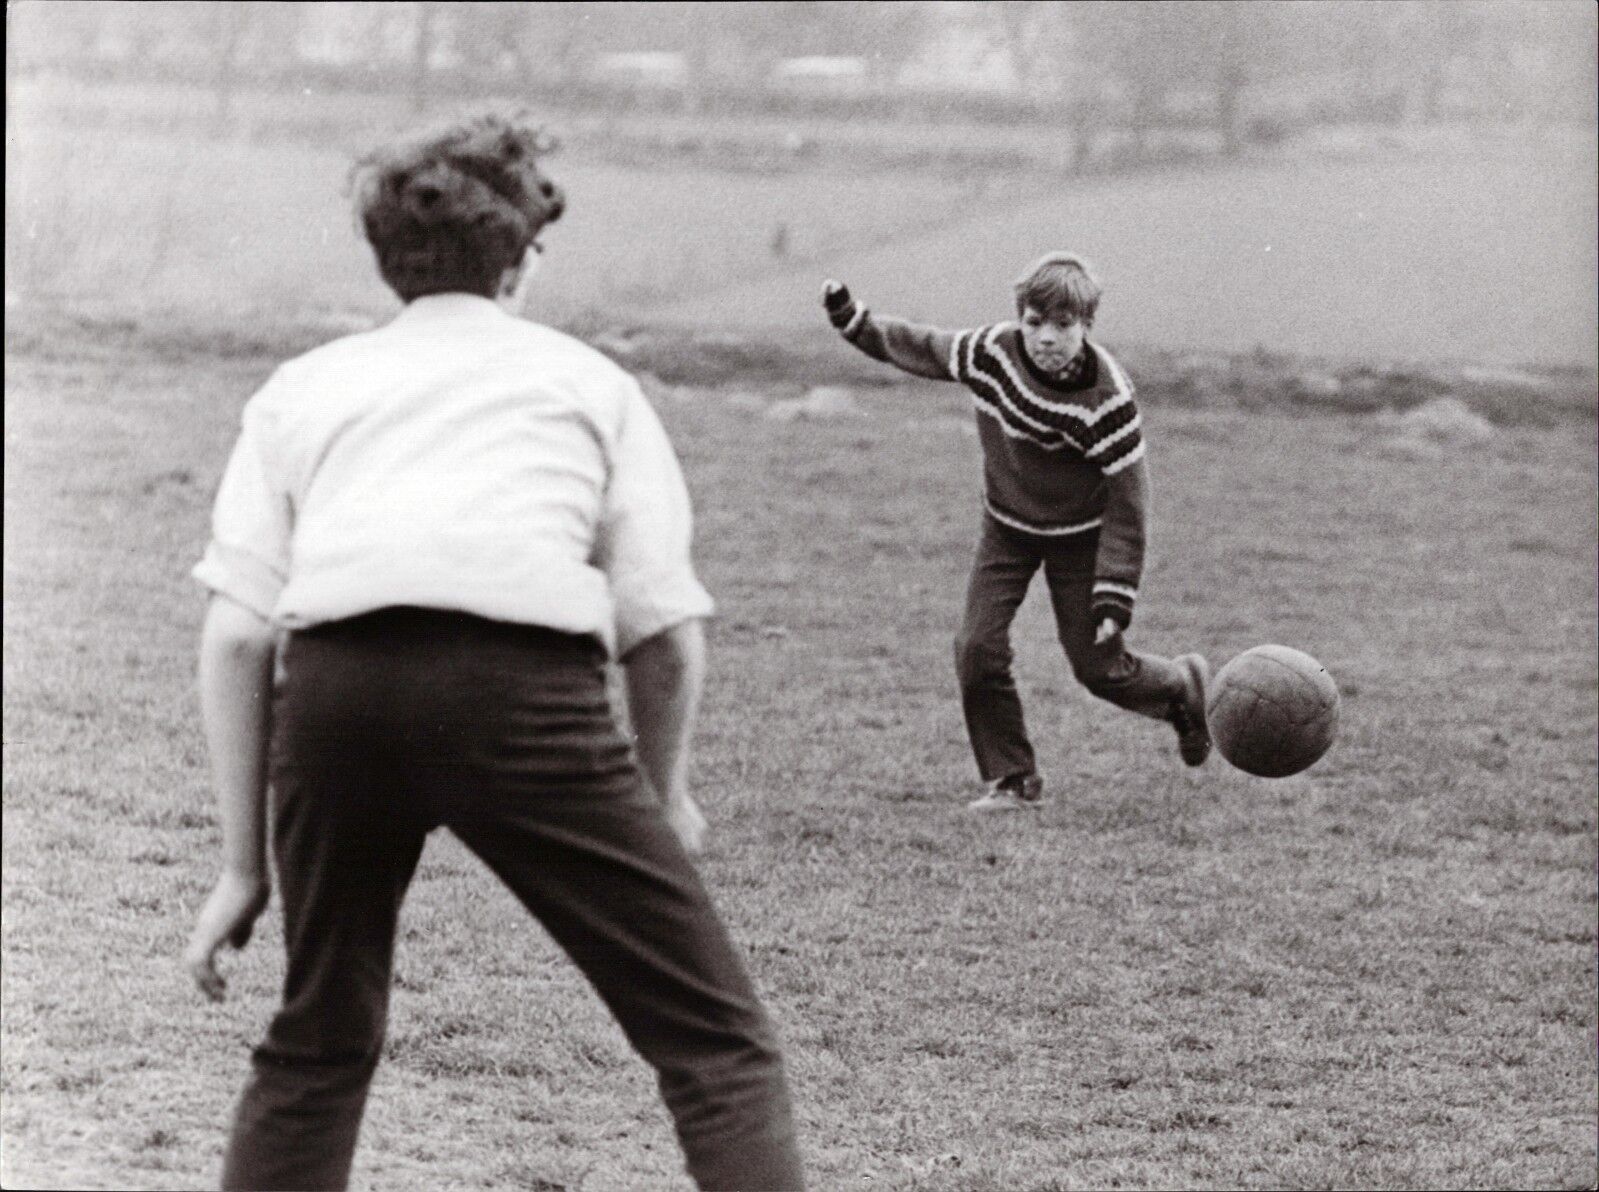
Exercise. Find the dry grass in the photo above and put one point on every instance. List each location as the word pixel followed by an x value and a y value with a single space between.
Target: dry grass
pixel 1377 974
pixel 1372 249
pixel 177 227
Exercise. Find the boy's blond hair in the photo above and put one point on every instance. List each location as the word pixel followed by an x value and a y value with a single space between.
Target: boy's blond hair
pixel 1059 285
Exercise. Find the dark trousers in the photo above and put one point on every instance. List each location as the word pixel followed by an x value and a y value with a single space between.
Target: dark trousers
pixel 391 724
pixel 1006 562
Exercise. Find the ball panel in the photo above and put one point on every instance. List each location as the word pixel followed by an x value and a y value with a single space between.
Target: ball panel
pixel 1289 675
pixel 1273 711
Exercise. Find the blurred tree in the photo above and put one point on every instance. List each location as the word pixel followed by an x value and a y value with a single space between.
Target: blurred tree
pixel 1413 44
pixel 547 38
pixel 1557 59
pixel 427 18
pixel 1538 57
pixel 228 24
pixel 719 43
pixel 1232 74
pixel 1044 43
pixel 1039 36
pixel 722 41
pixel 1456 28
pixel 560 41
pixel 1178 59
pixel 884 34
pixel 491 37
pixel 272 35
pixel 69 30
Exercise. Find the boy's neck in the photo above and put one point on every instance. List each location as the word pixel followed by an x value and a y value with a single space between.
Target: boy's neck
pixel 1071 373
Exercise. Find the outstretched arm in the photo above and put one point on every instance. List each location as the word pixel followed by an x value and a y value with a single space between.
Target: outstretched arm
pixel 236 652
pixel 924 351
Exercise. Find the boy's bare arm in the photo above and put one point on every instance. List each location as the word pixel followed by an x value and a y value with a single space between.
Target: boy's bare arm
pixel 665 675
pixel 923 351
pixel 236 655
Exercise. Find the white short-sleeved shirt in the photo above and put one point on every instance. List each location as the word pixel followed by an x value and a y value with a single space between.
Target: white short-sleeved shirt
pixel 457 458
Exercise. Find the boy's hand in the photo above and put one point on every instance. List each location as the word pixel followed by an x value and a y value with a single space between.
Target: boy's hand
pixel 1108 629
pixel 840 306
pixel 688 821
pixel 228 917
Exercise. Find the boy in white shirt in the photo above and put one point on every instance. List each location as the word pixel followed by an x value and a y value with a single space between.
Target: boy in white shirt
pixel 456 517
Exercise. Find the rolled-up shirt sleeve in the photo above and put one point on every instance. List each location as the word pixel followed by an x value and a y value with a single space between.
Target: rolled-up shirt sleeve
pixel 646 532
pixel 247 559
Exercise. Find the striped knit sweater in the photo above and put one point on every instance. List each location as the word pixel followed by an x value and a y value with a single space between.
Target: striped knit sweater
pixel 1060 457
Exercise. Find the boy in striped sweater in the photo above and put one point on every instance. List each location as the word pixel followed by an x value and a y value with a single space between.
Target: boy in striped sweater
pixel 1066 489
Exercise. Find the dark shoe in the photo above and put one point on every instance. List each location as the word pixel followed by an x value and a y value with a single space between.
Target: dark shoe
pixel 1018 792
pixel 1188 714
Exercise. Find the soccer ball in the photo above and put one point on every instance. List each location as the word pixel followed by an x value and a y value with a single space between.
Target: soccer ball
pixel 1273 711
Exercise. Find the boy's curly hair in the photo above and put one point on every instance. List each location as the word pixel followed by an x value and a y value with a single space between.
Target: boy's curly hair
pixel 452 209
pixel 1059 285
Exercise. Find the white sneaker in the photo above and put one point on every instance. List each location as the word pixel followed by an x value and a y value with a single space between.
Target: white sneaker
pixel 1018 792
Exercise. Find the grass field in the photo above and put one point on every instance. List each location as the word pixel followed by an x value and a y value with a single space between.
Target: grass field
pixel 1378 974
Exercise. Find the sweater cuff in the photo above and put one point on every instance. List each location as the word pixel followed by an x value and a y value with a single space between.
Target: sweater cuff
pixel 842 310
pixel 1115 601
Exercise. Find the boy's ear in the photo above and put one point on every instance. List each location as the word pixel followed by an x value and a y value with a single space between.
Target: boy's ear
pixel 517 281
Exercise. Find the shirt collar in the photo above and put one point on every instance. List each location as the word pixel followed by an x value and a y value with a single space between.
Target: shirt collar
pixel 1074 376
pixel 455 305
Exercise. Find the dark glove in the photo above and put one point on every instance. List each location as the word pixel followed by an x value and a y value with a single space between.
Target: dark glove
pixel 840 305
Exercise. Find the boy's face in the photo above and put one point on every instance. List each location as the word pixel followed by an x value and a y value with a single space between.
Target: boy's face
pixel 1052 340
